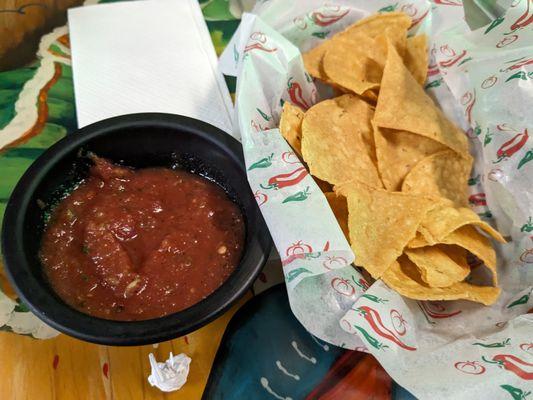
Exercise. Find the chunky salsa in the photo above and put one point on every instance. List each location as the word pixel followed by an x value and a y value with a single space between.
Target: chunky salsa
pixel 138 244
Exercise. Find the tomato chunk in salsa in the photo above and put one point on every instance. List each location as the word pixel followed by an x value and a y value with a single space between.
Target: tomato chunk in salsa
pixel 138 244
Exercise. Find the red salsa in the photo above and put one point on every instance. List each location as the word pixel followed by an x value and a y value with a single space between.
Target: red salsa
pixel 137 244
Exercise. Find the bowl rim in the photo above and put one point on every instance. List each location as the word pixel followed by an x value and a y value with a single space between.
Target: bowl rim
pixel 56 313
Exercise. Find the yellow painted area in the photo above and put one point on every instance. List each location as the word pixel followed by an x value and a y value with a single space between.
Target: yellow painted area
pixel 27 366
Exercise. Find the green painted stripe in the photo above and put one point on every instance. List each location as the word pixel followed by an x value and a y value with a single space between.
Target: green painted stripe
pixel 23 152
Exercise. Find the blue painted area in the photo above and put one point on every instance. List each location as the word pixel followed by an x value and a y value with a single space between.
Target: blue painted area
pixel 261 333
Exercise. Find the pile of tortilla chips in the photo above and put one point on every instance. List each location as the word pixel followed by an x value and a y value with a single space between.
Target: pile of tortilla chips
pixel 393 168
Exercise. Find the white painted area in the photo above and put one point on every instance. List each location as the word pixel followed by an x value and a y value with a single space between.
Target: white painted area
pixel 312 360
pixel 264 383
pixel 284 370
pixel 26 111
pixel 324 346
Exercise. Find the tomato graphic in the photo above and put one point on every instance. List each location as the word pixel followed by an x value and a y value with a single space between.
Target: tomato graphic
pixel 489 82
pixel 470 367
pixel 300 23
pixel 527 256
pixel 507 41
pixel 258 36
pixel 447 51
pixel 398 323
pixel 347 326
pixel 409 9
pixel 501 324
pixel 466 98
pixel 527 347
pixel 334 262
pixel 343 286
pixel 290 157
pixel 298 248
pixel 260 197
pixel 495 174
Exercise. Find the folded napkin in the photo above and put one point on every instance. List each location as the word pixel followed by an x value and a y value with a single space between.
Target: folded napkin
pixel 146 56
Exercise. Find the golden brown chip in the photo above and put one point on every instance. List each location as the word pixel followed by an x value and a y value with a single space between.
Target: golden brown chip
pixel 440 265
pixel 418 241
pixel 290 126
pixel 347 65
pixel 337 142
pixel 381 223
pixel 403 105
pixel 443 174
pixel 323 185
pixel 339 206
pixel 403 276
pixel 416 57
pixel 371 26
pixel 397 153
pixel 443 219
pixel 470 239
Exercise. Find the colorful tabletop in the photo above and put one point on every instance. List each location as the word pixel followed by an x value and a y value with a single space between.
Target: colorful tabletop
pixel 256 350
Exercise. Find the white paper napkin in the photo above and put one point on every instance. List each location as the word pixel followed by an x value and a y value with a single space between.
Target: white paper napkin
pixel 146 56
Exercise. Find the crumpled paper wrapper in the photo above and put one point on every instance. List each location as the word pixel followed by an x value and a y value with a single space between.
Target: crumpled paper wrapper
pixel 483 80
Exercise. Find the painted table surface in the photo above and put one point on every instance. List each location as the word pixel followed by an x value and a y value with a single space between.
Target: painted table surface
pixel 257 350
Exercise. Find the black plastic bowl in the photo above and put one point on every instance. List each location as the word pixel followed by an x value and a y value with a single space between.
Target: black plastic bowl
pixel 138 140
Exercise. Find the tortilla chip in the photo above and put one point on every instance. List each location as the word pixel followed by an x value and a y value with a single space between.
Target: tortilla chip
pixel 403 105
pixel 337 141
pixel 397 153
pixel 418 241
pixel 339 206
pixel 470 239
pixel 323 185
pixel 381 223
pixel 444 219
pixel 403 276
pixel 416 57
pixel 290 126
pixel 357 73
pixel 440 265
pixel 444 174
pixel 371 26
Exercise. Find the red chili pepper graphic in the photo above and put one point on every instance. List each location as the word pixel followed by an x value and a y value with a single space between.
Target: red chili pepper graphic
pixel 296 94
pixel 453 61
pixel 374 320
pixel 470 99
pixel 287 179
pixel 417 20
pixel 259 39
pixel 510 147
pixel 524 20
pixel 518 65
pixel 477 199
pixel 440 311
pixel 512 364
pixel 448 2
pixel 470 367
pixel 328 17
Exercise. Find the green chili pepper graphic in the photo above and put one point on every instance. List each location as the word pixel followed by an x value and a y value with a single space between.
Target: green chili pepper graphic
pixel 321 35
pixel 494 345
pixel 299 196
pixel 488 138
pixel 516 393
pixel 522 300
pixel 262 163
pixel 474 181
pixel 433 84
pixel 373 298
pixel 265 117
pixel 528 226
pixel 295 272
pixel 371 340
pixel 527 158
pixel 517 75
pixel 390 8
pixel 494 24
